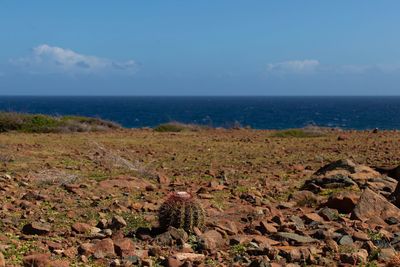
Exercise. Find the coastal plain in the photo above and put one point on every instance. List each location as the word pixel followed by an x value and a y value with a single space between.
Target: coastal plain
pixel 91 199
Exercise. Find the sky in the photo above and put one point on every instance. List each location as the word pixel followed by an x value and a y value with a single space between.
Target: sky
pixel 208 47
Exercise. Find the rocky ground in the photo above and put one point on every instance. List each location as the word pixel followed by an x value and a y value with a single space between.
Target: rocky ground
pixel 91 199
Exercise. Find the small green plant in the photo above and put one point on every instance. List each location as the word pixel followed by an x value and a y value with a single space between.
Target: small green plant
pixel 181 210
pixel 368 264
pixel 194 242
pixel 17 250
pixel 374 236
pixel 133 222
pixel 211 262
pixel 239 249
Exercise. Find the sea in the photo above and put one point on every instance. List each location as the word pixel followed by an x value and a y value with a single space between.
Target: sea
pixel 255 112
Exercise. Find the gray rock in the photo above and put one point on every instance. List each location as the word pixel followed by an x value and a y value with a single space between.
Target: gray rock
pixel 345 240
pixel 343 164
pixel 329 214
pixel 296 238
pixel 117 222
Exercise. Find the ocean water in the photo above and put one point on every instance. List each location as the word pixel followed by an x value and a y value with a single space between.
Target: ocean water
pixel 256 112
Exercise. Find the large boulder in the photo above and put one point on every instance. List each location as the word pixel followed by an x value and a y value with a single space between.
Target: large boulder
pixel 349 175
pixel 343 164
pixel 372 205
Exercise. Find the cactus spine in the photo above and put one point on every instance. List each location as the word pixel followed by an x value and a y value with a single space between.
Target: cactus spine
pixel 181 210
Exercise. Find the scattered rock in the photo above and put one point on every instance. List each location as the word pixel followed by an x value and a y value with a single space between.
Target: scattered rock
pixel 386 254
pixel 117 222
pixel 331 182
pixel 228 227
pixel 124 247
pixel 329 214
pixel 343 164
pixel 99 249
pixel 354 258
pixel 163 179
pixel 372 205
pixel 36 228
pixel 211 240
pixel 189 256
pixel 296 238
pixel 312 217
pixel 392 220
pixel 345 240
pixel 360 236
pixel 343 202
pixel 37 260
pixel 304 198
pixel 174 262
pixel 81 228
pixel 267 228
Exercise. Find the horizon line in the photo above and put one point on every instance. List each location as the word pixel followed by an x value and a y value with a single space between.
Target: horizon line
pixel 45 95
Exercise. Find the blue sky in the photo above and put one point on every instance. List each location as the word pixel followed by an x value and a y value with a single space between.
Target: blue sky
pixel 224 47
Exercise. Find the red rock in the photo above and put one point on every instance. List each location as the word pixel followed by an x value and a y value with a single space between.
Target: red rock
pixel 36 228
pixel 313 217
pixel 117 222
pixel 360 236
pixel 142 253
pixel 70 252
pixel 372 205
pixel 343 202
pixel 228 226
pixel 163 179
pixel 265 241
pixel 304 198
pixel 104 248
pixel 81 228
pixel 72 188
pixel 99 249
pixel 173 262
pixel 298 167
pixel 212 240
pixel 124 247
pixel 267 228
pixel 214 185
pixel 37 260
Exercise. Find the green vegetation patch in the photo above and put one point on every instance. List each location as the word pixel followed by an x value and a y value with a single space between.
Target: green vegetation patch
pixel 39 123
pixel 179 127
pixel 297 133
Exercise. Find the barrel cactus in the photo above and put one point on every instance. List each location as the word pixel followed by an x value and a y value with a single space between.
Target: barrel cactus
pixel 181 210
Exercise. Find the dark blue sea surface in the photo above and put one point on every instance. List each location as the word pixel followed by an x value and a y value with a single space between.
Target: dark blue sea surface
pixel 256 112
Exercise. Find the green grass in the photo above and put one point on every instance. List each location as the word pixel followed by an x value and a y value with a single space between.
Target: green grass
pixel 296 133
pixel 39 123
pixel 178 127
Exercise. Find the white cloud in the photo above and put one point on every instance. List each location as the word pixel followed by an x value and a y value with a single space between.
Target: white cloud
pixel 312 66
pixel 294 67
pixel 52 59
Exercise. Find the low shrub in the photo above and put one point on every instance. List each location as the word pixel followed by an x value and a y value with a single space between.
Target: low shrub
pixel 178 127
pixel 297 133
pixel 39 123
